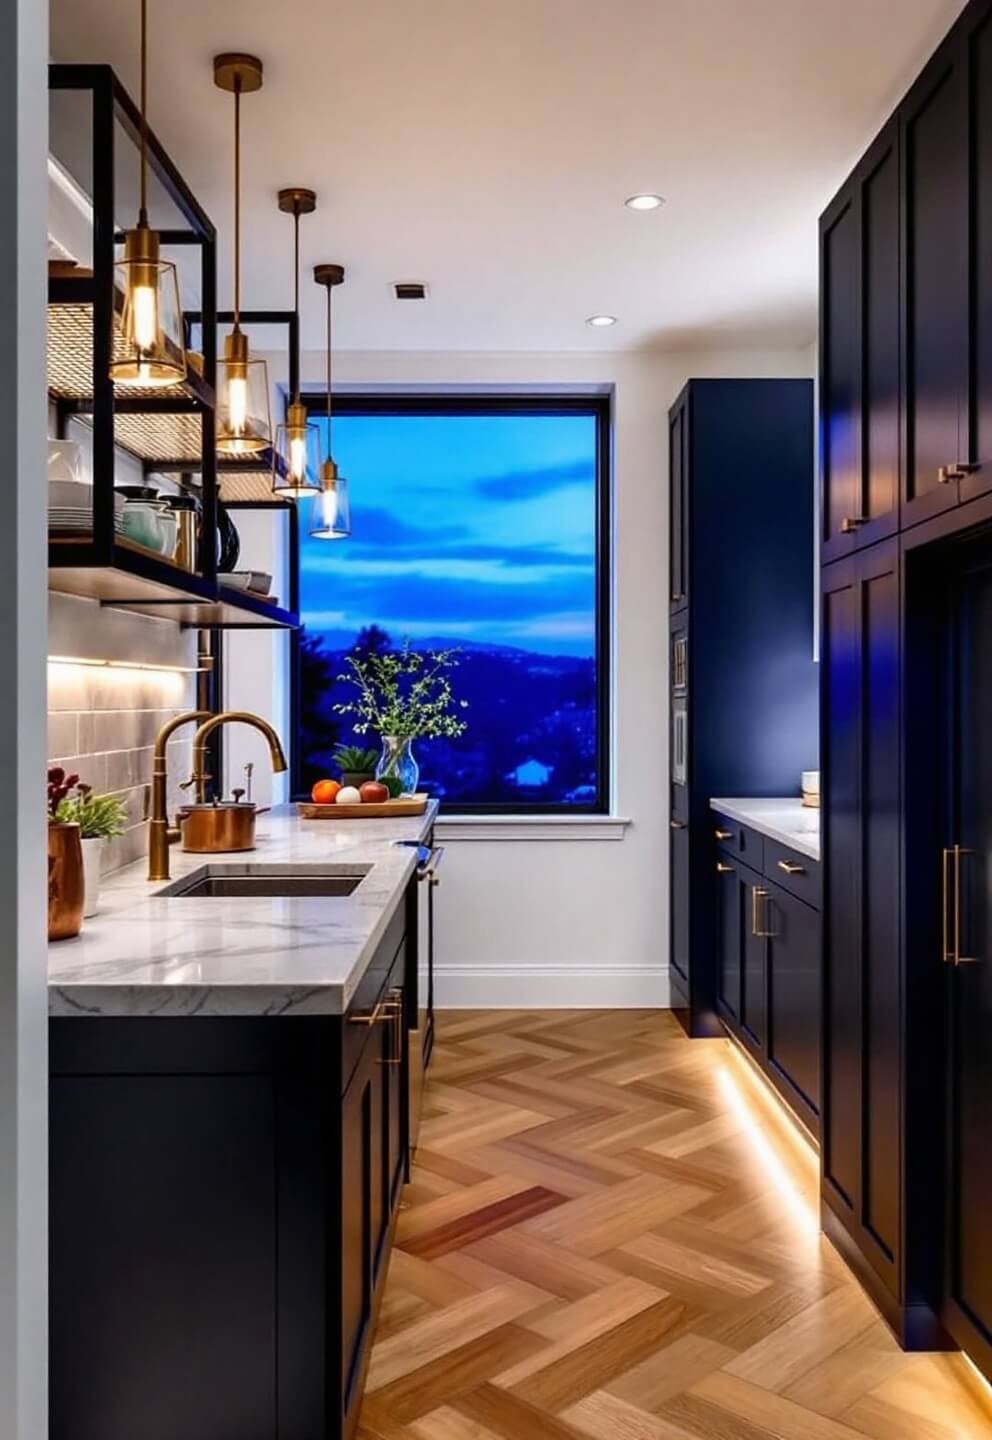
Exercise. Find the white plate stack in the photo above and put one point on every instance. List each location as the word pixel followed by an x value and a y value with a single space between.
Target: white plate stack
pixel 70 506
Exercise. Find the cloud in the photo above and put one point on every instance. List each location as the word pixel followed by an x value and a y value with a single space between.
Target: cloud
pixel 528 484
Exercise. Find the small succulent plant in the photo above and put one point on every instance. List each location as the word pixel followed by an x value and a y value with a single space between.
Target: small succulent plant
pixel 353 760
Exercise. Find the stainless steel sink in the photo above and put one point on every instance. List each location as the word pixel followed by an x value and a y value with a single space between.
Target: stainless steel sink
pixel 227 882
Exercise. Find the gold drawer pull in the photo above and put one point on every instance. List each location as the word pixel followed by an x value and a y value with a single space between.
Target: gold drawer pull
pixel 722 869
pixel 724 834
pixel 850 523
pixel 791 868
pixel 676 824
pixel 760 932
pixel 952 950
pixel 960 470
pixel 372 1017
pixel 393 1009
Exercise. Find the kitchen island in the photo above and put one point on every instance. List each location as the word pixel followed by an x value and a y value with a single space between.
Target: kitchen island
pixel 229 1138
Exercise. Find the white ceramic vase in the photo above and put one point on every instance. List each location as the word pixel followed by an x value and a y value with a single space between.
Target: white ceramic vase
pixel 92 860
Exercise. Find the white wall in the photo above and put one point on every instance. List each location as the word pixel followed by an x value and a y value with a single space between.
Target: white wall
pixel 566 922
pixel 23 975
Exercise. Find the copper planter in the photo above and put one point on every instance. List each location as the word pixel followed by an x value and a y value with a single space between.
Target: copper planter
pixel 216 829
pixel 66 885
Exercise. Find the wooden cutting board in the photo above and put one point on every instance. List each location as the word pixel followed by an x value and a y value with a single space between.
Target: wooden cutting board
pixel 407 805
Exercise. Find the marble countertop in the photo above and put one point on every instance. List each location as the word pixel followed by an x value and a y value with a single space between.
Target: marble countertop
pixel 145 953
pixel 788 821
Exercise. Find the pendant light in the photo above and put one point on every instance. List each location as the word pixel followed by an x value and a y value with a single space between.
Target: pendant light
pixel 296 458
pixel 330 516
pixel 150 349
pixel 244 424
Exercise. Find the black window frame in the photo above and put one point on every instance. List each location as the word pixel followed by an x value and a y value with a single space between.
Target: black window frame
pixel 599 406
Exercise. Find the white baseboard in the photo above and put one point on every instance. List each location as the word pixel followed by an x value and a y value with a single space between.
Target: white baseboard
pixel 552 987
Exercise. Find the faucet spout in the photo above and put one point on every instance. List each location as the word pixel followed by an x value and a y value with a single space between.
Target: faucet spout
pixel 160 834
pixel 226 717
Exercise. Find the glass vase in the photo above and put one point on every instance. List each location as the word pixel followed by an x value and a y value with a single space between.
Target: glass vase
pixel 397 762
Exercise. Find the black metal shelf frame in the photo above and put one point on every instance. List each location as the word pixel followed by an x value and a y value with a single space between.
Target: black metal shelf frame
pixel 99 564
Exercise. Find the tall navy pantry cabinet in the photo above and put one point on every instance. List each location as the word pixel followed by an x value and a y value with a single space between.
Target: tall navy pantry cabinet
pixel 906 704
pixel 742 675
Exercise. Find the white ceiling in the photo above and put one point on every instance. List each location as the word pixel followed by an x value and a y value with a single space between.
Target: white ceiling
pixel 487 149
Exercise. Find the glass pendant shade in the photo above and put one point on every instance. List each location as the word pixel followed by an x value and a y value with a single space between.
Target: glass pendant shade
pixel 244 423
pixel 149 348
pixel 330 514
pixel 296 458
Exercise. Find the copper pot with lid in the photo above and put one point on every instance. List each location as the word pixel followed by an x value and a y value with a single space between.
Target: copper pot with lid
pixel 217 827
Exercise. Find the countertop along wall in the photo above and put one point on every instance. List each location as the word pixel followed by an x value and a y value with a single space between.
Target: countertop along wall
pixel 526 918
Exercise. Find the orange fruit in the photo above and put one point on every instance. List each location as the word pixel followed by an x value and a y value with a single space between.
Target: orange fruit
pixel 325 792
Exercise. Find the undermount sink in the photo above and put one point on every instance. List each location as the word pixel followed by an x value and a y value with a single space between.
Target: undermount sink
pixel 226 882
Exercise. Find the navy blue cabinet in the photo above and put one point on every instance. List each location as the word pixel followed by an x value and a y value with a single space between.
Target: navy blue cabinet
pixel 860 354
pixel 743 678
pixel 906 705
pixel 769 973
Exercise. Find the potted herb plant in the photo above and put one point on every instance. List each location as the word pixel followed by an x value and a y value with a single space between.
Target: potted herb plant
pixel 65 861
pixel 99 818
pixel 356 764
pixel 403 695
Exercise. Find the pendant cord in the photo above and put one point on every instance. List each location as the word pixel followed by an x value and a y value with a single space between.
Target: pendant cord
pixel 143 206
pixel 329 451
pixel 237 202
pixel 296 288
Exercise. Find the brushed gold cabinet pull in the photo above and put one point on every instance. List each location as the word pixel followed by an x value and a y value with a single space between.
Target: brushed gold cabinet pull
pixel 722 869
pixel 393 1009
pixel 791 868
pixel 850 523
pixel 952 947
pixel 676 824
pixel 371 1018
pixel 724 834
pixel 758 894
pixel 960 470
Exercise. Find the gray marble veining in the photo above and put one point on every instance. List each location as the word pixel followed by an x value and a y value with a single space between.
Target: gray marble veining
pixel 146 953
pixel 784 819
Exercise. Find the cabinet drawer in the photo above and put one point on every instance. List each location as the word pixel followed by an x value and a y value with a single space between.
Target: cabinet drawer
pixel 371 990
pixel 738 840
pixel 794 872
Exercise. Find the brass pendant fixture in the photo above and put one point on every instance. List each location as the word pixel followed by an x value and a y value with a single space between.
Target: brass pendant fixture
pixel 150 349
pixel 330 515
pixel 244 423
pixel 296 456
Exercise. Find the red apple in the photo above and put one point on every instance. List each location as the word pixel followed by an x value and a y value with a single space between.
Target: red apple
pixel 373 793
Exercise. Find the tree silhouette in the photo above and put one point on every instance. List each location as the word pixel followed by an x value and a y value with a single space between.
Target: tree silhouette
pixel 319 728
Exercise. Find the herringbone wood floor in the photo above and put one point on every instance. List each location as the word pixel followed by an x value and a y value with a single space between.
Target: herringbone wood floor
pixel 610 1234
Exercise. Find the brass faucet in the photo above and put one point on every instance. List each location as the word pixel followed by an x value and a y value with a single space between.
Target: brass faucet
pixel 243 717
pixel 160 834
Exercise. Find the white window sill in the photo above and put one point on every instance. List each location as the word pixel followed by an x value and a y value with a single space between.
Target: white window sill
pixel 530 827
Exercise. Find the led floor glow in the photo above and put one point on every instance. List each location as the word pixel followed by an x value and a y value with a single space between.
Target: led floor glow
pixel 790 1193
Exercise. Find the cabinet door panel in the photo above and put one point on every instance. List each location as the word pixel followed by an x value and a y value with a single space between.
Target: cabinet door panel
pixel 840 752
pixel 936 319
pixel 880 927
pixel 980 409
pixel 969 1278
pixel 840 377
pixel 678 507
pixel 730 935
pixel 754 1017
pixel 880 310
pixel 794 996
pixel 679 852
pixel 357 1211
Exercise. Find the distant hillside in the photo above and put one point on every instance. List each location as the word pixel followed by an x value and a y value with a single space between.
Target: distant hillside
pixel 531 733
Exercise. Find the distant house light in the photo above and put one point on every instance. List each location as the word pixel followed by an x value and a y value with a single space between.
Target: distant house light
pixel 531 775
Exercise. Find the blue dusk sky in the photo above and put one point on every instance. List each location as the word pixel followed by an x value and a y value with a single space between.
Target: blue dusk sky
pixel 474 528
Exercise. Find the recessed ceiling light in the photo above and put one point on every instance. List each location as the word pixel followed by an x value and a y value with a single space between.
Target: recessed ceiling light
pixel 644 202
pixel 600 320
